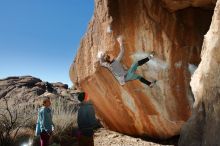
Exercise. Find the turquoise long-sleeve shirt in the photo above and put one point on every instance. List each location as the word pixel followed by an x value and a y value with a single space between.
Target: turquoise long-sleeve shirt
pixel 44 120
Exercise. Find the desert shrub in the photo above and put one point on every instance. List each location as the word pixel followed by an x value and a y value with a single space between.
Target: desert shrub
pixel 12 119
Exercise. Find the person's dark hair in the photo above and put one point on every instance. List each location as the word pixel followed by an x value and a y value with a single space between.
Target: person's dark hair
pixel 44 100
pixel 107 58
pixel 81 96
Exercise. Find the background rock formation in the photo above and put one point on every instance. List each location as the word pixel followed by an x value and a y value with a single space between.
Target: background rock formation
pixel 202 129
pixel 25 92
pixel 174 30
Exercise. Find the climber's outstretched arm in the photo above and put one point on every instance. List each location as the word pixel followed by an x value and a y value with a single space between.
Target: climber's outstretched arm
pixel 120 55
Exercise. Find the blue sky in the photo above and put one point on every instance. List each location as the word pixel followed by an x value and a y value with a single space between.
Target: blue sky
pixel 41 37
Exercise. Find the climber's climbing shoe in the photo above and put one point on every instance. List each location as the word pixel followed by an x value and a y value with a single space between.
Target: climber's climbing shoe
pixel 151 55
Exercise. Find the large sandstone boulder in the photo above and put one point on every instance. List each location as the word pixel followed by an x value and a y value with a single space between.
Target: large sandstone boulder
pixel 174 30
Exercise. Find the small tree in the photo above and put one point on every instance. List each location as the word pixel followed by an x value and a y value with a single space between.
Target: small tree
pixel 11 120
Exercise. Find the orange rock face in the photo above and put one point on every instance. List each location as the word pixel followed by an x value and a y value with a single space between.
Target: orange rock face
pixel 146 25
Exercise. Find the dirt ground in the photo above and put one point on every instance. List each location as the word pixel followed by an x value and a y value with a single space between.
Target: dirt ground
pixel 105 137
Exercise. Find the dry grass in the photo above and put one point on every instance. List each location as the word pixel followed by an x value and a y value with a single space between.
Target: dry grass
pixel 64 114
pixel 65 119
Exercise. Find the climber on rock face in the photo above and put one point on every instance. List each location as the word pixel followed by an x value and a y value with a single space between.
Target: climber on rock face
pixel 117 69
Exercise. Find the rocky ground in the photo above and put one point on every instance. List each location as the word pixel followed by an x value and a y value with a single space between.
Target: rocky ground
pixel 105 137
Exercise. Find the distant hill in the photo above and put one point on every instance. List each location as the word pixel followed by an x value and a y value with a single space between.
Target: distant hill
pixel 26 91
